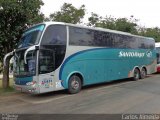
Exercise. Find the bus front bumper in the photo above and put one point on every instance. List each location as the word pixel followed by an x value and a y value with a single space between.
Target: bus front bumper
pixel 26 89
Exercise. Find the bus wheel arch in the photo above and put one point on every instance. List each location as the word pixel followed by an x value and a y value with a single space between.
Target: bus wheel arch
pixel 143 72
pixel 136 73
pixel 75 83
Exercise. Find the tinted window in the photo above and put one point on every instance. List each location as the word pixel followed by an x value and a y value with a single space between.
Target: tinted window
pixel 55 35
pixel 80 36
pixel 88 37
pixel 53 42
pixel 31 36
pixel 46 61
pixel 103 39
pixel 59 53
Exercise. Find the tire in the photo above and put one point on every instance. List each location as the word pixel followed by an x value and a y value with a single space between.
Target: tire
pixel 143 73
pixel 136 74
pixel 74 84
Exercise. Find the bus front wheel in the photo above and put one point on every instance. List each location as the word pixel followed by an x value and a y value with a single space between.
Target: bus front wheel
pixel 136 74
pixel 74 84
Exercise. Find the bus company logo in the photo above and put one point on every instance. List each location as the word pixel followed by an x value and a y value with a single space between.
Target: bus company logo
pixel 47 83
pixel 131 54
pixel 149 54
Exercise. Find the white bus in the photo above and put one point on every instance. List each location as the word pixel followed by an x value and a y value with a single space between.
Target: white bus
pixel 53 56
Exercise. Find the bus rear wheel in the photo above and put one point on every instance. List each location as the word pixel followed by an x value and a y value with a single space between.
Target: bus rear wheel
pixel 74 84
pixel 136 74
pixel 143 73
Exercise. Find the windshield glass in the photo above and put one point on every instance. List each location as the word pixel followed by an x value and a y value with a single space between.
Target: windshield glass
pixel 22 69
pixel 31 36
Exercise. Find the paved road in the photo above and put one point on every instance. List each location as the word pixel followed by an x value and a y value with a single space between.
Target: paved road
pixel 126 96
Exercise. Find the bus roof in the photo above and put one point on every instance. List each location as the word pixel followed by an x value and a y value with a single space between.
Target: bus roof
pixel 95 28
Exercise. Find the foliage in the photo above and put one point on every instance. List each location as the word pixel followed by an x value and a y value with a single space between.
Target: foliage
pixel 68 14
pixel 120 24
pixel 126 25
pixel 94 19
pixel 15 15
pixel 151 32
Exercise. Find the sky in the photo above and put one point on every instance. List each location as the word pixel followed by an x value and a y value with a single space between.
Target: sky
pixel 146 11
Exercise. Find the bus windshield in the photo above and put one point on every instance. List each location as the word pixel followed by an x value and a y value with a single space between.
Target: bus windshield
pixel 22 69
pixel 31 36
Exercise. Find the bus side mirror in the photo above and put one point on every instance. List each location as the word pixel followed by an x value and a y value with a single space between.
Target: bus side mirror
pixel 6 56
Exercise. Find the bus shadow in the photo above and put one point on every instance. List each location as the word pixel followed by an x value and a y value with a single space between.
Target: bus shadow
pixel 114 82
pixel 88 87
pixel 107 83
pixel 52 93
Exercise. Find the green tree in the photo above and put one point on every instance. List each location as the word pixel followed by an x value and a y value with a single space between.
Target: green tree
pixel 151 32
pixel 120 24
pixel 126 25
pixel 107 22
pixel 69 14
pixel 15 15
pixel 94 19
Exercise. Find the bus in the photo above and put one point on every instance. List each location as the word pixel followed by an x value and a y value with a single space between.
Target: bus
pixel 53 56
pixel 158 56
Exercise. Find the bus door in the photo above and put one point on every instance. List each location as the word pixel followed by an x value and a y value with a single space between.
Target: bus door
pixel 46 70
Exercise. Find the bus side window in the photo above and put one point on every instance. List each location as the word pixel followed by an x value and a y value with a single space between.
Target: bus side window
pixel 46 61
pixel 54 35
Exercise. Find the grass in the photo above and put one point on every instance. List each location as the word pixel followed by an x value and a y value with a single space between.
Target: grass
pixel 8 90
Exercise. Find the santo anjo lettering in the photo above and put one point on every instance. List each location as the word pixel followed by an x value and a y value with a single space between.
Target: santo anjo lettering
pixel 131 54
